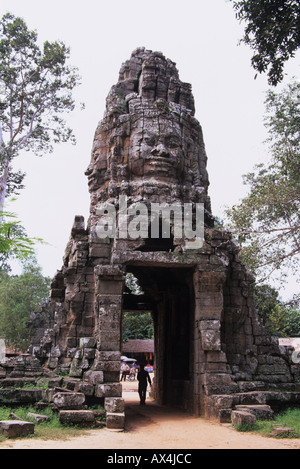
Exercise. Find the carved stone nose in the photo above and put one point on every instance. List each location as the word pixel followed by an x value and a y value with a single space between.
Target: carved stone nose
pixel 160 150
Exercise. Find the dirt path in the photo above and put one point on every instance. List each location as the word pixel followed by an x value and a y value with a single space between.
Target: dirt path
pixel 156 427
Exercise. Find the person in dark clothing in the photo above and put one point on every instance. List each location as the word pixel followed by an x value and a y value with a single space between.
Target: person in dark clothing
pixel 143 378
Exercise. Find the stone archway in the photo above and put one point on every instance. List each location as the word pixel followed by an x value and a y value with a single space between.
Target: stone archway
pixel 168 294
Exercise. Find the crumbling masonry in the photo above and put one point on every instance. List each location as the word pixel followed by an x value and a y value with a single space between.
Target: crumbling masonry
pixel 211 351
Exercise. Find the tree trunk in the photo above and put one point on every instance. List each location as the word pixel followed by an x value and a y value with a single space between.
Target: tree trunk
pixel 4 175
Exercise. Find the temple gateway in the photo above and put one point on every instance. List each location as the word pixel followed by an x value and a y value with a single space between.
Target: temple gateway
pixel 212 353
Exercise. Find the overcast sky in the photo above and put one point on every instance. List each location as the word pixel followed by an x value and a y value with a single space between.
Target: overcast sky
pixel 201 37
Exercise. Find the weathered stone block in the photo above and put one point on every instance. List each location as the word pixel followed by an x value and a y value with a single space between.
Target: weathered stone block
pixel 69 400
pixel 108 390
pixel 87 342
pixel 16 428
pixel 111 376
pixel 38 418
pixel 220 401
pixel 261 412
pixel 94 377
pixel 77 417
pixel 214 325
pixel 76 368
pixel 108 366
pixel 282 432
pixel 216 379
pixel 20 396
pixel 89 353
pixel 100 250
pixel 252 398
pixel 86 388
pixel 211 340
pixel 239 417
pixel 114 404
pixel 115 420
pixel 108 355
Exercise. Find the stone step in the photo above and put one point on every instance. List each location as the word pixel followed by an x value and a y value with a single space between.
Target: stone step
pixel 261 412
pixel 241 417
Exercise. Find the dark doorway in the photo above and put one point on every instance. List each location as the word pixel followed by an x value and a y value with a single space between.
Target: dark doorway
pixel 168 294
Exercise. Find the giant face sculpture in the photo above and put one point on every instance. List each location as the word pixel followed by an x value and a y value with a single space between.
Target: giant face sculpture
pixel 156 150
pixel 149 144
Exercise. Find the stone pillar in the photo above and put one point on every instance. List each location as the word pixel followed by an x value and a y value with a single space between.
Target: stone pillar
pixel 109 293
pixel 108 308
pixel 211 371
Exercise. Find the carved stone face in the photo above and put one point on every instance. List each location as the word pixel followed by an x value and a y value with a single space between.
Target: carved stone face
pixel 156 149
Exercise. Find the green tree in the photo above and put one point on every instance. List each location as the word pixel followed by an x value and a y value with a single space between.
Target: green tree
pixel 14 242
pixel 137 326
pixel 20 295
pixel 281 319
pixel 272 31
pixel 35 90
pixel 267 220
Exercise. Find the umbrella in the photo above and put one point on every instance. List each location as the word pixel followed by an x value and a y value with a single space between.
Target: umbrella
pixel 126 359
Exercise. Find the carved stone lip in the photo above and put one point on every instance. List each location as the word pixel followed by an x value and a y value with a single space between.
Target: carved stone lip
pixel 160 161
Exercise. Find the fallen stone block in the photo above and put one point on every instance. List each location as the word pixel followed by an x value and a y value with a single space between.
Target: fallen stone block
pixel 69 400
pixel 281 432
pixel 14 416
pixel 38 418
pixel 240 417
pixel 261 412
pixel 16 428
pixel 115 420
pixel 77 417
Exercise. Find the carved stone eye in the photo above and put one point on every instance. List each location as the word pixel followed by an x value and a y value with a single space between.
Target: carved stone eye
pixel 172 142
pixel 150 141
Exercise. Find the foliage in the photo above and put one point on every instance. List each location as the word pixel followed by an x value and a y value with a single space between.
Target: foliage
pixel 132 283
pixel 14 242
pixel 35 90
pixel 288 418
pixel 20 295
pixel 137 326
pixel 281 319
pixel 267 220
pixel 284 322
pixel 272 31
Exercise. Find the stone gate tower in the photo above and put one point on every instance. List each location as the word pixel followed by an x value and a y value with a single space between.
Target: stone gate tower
pixel 209 344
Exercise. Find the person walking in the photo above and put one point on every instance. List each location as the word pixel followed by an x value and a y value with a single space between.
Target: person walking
pixel 143 378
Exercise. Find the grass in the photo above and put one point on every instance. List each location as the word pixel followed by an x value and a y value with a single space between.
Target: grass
pixel 288 418
pixel 52 430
